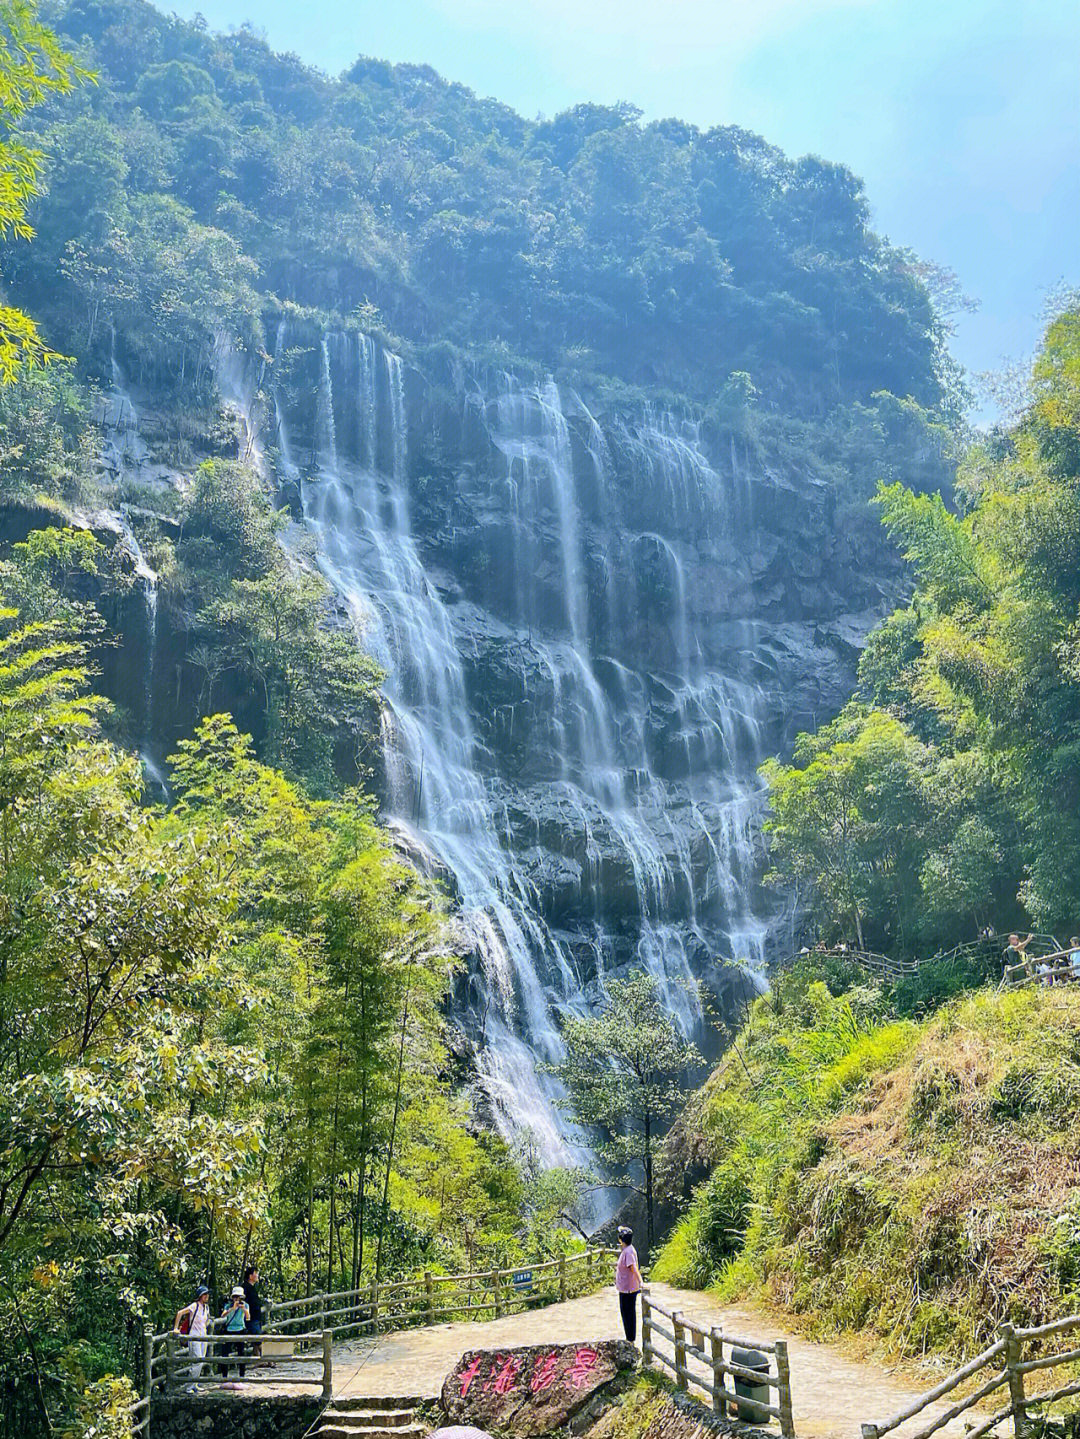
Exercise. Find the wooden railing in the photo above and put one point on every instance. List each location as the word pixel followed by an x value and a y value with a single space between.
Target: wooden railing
pixel 172 1359
pixel 696 1356
pixel 1008 1369
pixel 891 970
pixel 300 1333
pixel 878 966
pixel 428 1297
pixel 1053 968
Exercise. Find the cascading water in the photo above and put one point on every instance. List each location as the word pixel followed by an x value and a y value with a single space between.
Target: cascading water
pixel 123 453
pixel 368 554
pixel 595 813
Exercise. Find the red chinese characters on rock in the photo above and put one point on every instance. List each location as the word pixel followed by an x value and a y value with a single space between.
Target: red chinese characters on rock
pixel 585 1361
pixel 469 1373
pixel 506 1378
pixel 543 1376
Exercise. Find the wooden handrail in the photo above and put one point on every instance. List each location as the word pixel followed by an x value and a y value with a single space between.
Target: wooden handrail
pixel 718 1367
pixel 1006 1355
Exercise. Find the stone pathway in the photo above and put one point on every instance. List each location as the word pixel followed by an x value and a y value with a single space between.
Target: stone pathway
pixel 832 1393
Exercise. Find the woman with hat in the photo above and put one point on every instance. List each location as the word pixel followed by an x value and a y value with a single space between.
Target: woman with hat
pixel 234 1321
pixel 194 1321
pixel 628 1282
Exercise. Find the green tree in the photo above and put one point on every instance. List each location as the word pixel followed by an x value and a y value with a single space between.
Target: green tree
pixel 624 1072
pixel 33 67
pixel 946 795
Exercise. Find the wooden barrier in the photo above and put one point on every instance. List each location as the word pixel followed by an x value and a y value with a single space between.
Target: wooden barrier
pixel 1048 969
pixel 890 970
pixel 428 1297
pixel 295 1327
pixel 692 1344
pixel 1003 1366
pixel 173 1363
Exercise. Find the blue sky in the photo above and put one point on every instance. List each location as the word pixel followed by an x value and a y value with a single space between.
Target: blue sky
pixel 962 116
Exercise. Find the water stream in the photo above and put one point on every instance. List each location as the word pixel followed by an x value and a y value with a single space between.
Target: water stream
pixel 630 833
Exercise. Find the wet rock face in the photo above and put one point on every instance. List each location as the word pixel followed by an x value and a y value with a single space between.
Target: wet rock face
pixel 594 628
pixel 537 1390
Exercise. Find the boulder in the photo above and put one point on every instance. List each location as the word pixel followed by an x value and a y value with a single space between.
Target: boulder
pixel 539 1389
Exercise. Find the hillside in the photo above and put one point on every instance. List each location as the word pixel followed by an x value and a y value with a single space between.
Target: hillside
pixel 659 253
pixel 917 1180
pixel 516 470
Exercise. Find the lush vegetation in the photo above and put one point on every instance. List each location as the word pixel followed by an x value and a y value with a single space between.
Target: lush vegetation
pixel 220 1028
pixel 623 1072
pixel 912 1179
pixel 204 173
pixel 948 790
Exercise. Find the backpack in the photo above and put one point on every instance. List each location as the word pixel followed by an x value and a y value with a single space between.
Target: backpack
pixel 185 1320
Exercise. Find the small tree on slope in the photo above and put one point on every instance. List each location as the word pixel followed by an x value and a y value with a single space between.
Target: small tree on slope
pixel 621 1073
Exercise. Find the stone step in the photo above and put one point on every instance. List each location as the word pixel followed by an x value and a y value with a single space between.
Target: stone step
pixel 337 1426
pixel 370 1403
pixel 374 1418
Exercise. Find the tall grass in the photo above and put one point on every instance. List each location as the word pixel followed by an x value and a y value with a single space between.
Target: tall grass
pixel 918 1179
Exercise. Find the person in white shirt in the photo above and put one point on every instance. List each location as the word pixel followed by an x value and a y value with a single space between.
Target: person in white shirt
pixel 194 1321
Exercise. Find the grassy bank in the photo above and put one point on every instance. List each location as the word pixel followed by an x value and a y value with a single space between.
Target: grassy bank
pixel 915 1178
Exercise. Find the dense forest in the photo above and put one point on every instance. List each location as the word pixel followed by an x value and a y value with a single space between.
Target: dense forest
pixel 202 174
pixel 223 1019
pixel 945 796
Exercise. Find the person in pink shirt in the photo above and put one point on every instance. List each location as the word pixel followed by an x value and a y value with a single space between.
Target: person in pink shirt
pixel 628 1282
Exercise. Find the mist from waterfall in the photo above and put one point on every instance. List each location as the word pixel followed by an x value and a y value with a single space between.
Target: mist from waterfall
pixel 685 840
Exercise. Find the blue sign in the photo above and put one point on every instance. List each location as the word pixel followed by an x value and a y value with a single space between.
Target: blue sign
pixel 522 1279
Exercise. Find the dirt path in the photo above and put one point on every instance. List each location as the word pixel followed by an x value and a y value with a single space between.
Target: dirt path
pixel 832 1394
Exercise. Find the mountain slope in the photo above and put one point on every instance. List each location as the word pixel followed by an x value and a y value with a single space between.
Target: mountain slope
pixel 916 1180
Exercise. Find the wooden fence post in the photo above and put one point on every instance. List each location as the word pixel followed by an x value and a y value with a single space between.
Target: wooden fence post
pixel 496 1284
pixel 1016 1380
pixel 679 1330
pixel 562 1278
pixel 716 1352
pixel 589 1270
pixel 429 1295
pixel 646 1329
pixel 327 1364
pixel 374 1306
pixel 148 1373
pixel 869 1431
pixel 783 1373
pixel 322 1310
pixel 170 1361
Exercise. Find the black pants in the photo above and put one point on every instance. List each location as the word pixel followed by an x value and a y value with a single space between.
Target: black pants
pixel 628 1310
pixel 230 1348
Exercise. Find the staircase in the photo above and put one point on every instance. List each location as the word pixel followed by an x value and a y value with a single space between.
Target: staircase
pixel 379 1418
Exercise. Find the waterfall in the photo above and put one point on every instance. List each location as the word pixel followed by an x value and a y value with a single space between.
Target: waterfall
pixel 368 554
pixel 625 832
pixel 124 452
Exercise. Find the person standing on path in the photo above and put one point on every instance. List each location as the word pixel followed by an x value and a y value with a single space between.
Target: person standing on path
pixel 194 1321
pixel 628 1282
pixel 255 1308
pixel 234 1318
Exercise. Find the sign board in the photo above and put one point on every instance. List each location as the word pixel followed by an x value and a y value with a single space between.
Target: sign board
pixel 522 1279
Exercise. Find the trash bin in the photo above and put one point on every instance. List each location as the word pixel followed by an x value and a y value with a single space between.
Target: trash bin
pixel 746 1389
